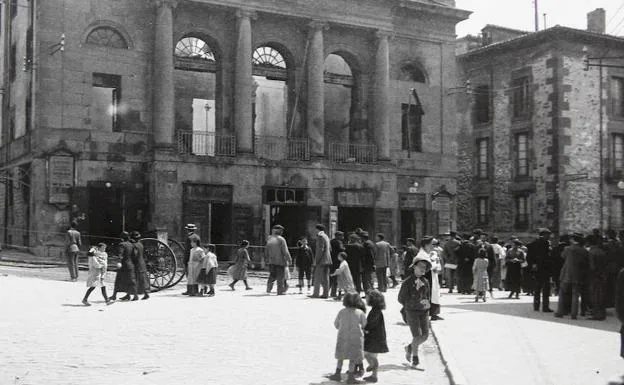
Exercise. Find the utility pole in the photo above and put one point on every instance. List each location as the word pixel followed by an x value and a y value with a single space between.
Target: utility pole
pixel 536 15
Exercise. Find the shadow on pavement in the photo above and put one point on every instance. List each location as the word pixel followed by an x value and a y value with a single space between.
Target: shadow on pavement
pixel 390 367
pixel 73 305
pixel 525 310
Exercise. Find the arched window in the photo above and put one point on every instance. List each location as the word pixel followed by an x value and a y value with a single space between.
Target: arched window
pixel 341 100
pixel 271 81
pixel 198 94
pixel 413 73
pixel 268 57
pixel 194 48
pixel 108 37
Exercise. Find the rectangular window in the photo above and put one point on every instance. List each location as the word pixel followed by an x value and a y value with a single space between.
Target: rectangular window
pixel 617 97
pixel 521 97
pixel 28 113
pixel 483 158
pixel 522 155
pixel 617 212
pixel 482 210
pixel 13 63
pixel 617 152
pixel 106 94
pixel 13 4
pixel 522 211
pixel 411 127
pixel 482 104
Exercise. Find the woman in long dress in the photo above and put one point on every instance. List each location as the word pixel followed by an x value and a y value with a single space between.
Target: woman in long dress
pixel 238 271
pixel 125 279
pixel 196 260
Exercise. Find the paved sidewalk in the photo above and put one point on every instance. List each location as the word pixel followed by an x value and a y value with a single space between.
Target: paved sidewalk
pixel 504 341
pixel 240 337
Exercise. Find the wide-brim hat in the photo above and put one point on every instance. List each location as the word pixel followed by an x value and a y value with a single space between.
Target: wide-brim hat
pixel 544 231
pixel 420 257
pixel 135 235
pixel 278 227
pixel 190 226
pixel 364 234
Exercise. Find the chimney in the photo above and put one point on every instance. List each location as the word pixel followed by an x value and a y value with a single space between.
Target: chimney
pixel 596 20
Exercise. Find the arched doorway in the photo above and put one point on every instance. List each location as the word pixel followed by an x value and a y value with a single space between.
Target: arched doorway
pixel 340 99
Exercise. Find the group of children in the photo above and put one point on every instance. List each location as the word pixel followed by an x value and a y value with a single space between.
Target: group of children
pixel 364 337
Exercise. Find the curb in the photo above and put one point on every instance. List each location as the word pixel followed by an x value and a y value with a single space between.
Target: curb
pixel 453 373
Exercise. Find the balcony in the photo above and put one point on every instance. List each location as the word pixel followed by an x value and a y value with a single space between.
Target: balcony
pixel 282 148
pixel 353 153
pixel 206 143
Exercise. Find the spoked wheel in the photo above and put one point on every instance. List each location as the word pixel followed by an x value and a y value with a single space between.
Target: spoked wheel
pixel 160 261
pixel 180 252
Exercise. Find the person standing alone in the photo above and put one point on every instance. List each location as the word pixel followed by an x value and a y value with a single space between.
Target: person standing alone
pixel 322 263
pixel 279 258
pixel 72 241
pixel 540 264
pixel 382 256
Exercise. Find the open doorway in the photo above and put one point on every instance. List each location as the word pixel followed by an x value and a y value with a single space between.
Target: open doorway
pixel 351 218
pixel 293 218
pixel 412 225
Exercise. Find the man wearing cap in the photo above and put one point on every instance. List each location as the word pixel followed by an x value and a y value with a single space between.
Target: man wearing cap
pixel 382 256
pixel 576 262
pixel 322 263
pixel 190 237
pixel 336 247
pixel 541 264
pixel 449 255
pixel 368 263
pixel 279 258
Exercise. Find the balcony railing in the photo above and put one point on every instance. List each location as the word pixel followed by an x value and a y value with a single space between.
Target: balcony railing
pixel 281 147
pixel 206 143
pixel 353 153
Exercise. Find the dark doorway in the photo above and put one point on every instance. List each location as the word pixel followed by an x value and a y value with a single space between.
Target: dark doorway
pixel 294 220
pixel 220 227
pixel 112 210
pixel 412 225
pixel 351 218
pixel 105 214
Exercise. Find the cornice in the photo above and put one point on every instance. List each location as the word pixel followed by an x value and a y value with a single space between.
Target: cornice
pixel 440 10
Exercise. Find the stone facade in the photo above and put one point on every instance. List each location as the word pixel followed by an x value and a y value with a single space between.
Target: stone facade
pixel 565 177
pixel 146 172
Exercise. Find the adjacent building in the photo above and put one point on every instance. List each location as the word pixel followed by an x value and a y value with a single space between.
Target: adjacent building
pixel 541 119
pixel 233 115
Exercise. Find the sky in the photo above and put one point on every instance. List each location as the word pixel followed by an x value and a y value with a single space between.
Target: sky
pixel 519 14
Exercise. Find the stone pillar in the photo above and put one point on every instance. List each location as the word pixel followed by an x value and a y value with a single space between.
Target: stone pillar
pixel 243 83
pixel 164 97
pixel 381 109
pixel 316 92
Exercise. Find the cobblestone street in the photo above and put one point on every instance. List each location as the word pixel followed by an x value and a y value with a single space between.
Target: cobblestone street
pixel 242 337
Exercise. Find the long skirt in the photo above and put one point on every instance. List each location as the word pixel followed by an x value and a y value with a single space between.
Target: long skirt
pixel 125 280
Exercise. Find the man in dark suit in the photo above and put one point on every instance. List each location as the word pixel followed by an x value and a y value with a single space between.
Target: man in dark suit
pixel 368 262
pixel 355 255
pixel 540 263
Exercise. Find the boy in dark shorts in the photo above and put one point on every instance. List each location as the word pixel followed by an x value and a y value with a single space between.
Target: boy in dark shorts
pixel 303 262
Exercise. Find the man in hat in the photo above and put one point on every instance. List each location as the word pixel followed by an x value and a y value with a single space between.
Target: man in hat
pixel 449 255
pixel 355 255
pixel 336 247
pixel 576 261
pixel 541 265
pixel 598 271
pixel 322 263
pixel 382 256
pixel 278 256
pixel 466 253
pixel 368 262
pixel 191 236
pixel 143 284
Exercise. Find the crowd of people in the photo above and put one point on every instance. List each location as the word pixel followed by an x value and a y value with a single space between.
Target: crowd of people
pixel 582 269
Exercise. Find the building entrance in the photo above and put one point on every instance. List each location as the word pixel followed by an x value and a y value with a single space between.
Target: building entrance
pixel 113 210
pixel 351 218
pixel 412 225
pixel 294 219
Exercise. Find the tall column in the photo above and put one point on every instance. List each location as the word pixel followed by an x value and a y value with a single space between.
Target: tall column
pixel 164 111
pixel 316 107
pixel 381 109
pixel 243 83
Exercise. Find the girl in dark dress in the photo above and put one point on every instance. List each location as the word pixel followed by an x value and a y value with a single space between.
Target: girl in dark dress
pixel 513 260
pixel 374 333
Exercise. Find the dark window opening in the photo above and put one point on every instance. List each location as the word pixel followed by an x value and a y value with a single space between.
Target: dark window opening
pixel 285 196
pixel 12 62
pixel 521 97
pixel 106 93
pixel 522 211
pixel 411 72
pixel 617 97
pixel 617 152
pixel 482 104
pixel 411 127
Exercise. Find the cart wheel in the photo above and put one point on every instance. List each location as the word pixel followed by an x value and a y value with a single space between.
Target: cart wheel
pixel 180 252
pixel 160 261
